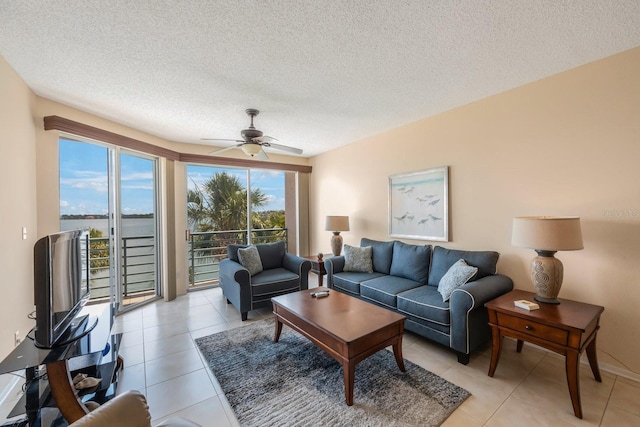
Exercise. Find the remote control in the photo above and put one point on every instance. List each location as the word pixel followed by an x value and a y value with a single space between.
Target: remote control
pixel 319 294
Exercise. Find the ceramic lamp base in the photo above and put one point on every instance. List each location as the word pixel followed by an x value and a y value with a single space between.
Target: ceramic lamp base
pixel 336 243
pixel 546 274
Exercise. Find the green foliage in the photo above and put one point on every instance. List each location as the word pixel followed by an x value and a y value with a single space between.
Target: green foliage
pixel 99 251
pixel 221 204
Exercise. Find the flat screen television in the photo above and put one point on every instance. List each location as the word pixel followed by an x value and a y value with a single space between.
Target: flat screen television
pixel 61 286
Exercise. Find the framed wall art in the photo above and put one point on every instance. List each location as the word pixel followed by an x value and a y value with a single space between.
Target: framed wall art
pixel 419 204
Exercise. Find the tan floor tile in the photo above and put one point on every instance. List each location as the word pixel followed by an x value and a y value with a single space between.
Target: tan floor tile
pixel 166 346
pixel 515 412
pixel 165 331
pixel 131 339
pixel 616 417
pixel 484 400
pixel 172 366
pixel 209 412
pixel 179 393
pixel 460 418
pixel 551 396
pixel 626 396
pixel 132 377
pixel 133 354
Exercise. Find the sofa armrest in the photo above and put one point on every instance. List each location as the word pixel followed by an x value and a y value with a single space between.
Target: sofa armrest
pixel 469 320
pixel 474 294
pixel 231 271
pixel 333 265
pixel 129 408
pixel 298 265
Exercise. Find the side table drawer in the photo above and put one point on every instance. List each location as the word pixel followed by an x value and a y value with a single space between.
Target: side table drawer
pixel 533 328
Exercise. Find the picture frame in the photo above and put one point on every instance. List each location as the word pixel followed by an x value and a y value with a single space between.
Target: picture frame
pixel 419 204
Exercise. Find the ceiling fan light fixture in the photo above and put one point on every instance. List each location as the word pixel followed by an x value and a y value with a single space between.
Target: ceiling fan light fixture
pixel 251 149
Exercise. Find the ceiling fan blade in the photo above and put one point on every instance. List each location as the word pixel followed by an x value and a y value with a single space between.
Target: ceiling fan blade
pixel 221 139
pixel 221 150
pixel 284 148
pixel 262 155
pixel 264 138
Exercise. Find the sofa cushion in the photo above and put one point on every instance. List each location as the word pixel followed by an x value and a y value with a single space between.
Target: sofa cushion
pixel 250 259
pixel 349 282
pixel 358 259
pixel 425 302
pixel 411 261
pixel 459 274
pixel 381 254
pixel 443 259
pixel 271 254
pixel 384 289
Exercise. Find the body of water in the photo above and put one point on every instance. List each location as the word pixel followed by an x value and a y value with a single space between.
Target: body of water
pixel 130 226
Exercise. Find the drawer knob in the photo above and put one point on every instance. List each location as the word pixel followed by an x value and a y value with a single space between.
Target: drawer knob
pixel 528 328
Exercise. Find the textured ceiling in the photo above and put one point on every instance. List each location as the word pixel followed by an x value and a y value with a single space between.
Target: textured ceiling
pixel 323 73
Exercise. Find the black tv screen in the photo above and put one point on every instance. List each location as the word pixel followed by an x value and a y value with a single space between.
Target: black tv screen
pixel 61 283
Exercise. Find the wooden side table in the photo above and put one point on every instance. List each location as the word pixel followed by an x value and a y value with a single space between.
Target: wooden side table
pixel 317 266
pixel 567 328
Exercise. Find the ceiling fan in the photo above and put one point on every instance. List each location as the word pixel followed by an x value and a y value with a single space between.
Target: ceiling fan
pixel 253 141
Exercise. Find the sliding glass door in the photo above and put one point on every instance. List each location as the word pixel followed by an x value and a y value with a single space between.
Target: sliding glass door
pixel 113 194
pixel 219 203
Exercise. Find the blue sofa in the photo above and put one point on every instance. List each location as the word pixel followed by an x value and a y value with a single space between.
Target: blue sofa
pixel 281 273
pixel 405 278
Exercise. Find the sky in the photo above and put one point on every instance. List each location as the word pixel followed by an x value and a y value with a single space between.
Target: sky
pixel 84 184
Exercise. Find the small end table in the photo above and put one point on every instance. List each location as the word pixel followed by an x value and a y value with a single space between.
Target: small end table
pixel 567 328
pixel 317 266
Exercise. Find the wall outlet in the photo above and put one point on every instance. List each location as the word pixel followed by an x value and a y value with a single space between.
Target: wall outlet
pixel 16 338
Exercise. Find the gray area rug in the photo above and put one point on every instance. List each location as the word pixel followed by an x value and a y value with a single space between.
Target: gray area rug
pixel 294 383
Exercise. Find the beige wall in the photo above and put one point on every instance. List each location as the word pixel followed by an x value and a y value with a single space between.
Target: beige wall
pixel 17 206
pixel 565 145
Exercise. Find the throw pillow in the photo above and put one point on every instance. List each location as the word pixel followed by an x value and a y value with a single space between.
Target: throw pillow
pixel 358 259
pixel 250 259
pixel 458 275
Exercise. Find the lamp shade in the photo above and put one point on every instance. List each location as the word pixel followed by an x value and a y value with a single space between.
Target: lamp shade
pixel 547 233
pixel 337 223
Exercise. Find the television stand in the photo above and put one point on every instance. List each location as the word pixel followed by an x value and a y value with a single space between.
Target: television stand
pixel 94 353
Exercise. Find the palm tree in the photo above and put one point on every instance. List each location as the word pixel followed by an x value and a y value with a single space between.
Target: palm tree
pixel 221 204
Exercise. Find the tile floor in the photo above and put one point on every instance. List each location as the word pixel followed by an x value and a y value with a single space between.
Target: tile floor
pixel 528 389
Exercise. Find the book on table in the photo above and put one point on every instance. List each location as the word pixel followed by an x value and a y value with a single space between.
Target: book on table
pixel 527 305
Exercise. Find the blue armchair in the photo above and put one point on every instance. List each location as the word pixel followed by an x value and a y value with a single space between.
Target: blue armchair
pixel 281 273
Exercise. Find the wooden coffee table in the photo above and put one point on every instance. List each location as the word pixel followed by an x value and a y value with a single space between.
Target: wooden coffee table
pixel 348 329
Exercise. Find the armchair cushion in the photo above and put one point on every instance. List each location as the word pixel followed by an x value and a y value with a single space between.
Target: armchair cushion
pixel 459 274
pixel 411 261
pixel 271 254
pixel 358 259
pixel 250 259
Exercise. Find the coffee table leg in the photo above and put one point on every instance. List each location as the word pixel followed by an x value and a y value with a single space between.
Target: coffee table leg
pixel 397 352
pixel 349 370
pixel 276 337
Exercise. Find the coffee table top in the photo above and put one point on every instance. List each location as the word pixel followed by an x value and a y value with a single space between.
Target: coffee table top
pixel 344 316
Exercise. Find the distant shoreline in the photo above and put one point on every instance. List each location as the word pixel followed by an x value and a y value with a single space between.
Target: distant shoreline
pixel 100 216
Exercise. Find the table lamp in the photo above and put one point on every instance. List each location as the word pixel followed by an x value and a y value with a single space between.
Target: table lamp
pixel 547 235
pixel 336 224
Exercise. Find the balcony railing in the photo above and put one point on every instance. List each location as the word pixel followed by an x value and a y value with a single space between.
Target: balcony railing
pixel 207 249
pixel 138 266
